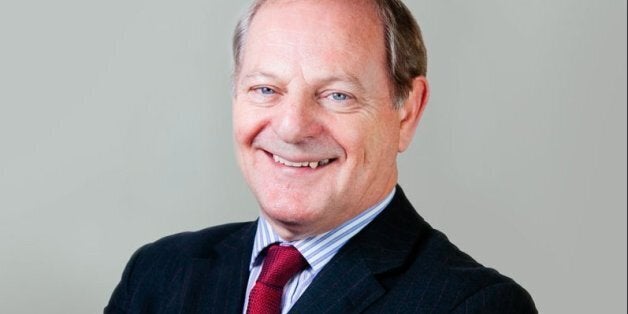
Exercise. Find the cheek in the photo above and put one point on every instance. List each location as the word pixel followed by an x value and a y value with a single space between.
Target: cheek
pixel 378 143
pixel 368 136
pixel 240 135
pixel 347 133
pixel 246 124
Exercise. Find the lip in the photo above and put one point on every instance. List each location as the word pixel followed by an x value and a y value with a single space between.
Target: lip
pixel 272 159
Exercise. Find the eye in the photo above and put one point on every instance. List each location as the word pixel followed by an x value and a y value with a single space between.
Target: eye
pixel 339 101
pixel 265 90
pixel 339 96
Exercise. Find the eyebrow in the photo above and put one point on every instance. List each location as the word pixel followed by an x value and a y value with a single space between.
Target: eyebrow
pixel 353 81
pixel 255 75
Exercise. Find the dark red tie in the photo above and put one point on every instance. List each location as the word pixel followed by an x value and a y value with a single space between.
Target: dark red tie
pixel 281 264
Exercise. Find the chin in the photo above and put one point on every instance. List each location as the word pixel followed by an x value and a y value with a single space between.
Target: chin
pixel 295 218
pixel 293 214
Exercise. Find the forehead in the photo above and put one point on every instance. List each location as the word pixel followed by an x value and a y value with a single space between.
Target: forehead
pixel 329 32
pixel 330 12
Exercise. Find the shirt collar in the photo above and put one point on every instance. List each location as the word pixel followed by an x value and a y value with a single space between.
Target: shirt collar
pixel 317 250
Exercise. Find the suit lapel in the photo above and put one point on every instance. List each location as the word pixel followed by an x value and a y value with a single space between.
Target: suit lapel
pixel 345 285
pixel 217 284
pixel 352 280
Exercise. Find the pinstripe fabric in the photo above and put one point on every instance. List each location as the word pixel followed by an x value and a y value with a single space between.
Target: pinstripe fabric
pixel 396 264
pixel 317 251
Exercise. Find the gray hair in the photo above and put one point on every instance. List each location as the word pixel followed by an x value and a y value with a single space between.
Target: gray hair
pixel 405 50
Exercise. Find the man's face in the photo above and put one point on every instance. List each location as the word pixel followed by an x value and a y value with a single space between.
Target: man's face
pixel 315 129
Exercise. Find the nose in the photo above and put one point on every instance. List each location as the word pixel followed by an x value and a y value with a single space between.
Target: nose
pixel 296 121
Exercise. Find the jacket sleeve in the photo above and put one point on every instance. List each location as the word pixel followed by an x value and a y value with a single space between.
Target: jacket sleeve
pixel 497 299
pixel 123 293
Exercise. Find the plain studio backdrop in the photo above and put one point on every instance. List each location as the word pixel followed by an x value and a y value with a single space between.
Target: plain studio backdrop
pixel 115 130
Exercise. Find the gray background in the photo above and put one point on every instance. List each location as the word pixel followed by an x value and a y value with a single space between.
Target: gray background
pixel 115 131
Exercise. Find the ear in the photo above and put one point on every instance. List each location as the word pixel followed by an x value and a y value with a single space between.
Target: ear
pixel 412 110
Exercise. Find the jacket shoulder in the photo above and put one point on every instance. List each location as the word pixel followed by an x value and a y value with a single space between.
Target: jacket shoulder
pixel 460 284
pixel 194 244
pixel 156 269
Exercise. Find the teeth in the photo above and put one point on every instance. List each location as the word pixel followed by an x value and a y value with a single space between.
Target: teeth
pixel 311 164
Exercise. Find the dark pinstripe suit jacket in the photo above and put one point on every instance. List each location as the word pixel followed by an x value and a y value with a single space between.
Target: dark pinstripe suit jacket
pixel 397 264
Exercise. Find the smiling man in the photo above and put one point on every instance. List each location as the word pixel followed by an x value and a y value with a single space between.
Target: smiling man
pixel 327 93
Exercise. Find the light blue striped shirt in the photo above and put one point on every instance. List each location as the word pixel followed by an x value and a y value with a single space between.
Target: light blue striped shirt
pixel 317 251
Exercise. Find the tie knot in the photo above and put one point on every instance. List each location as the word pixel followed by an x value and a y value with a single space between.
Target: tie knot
pixel 281 264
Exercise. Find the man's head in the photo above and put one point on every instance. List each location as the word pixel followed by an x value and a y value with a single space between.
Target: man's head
pixel 326 93
pixel 406 55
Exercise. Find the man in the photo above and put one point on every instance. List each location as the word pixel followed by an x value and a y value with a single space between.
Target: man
pixel 326 94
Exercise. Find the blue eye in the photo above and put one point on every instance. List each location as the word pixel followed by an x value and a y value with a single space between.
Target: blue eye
pixel 339 96
pixel 266 91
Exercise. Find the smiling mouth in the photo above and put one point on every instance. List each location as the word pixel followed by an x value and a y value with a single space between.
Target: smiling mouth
pixel 304 164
